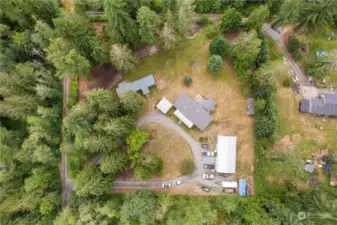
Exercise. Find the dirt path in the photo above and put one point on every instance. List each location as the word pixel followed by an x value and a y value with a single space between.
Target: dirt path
pixel 67 184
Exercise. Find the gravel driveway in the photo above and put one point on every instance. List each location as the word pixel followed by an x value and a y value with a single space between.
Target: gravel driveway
pixel 199 160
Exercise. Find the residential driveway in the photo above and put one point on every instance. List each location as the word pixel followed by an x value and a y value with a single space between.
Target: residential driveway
pixel 303 80
pixel 199 160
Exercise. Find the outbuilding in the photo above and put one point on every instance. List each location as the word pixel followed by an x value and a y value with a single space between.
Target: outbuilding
pixel 164 105
pixel 229 184
pixel 226 154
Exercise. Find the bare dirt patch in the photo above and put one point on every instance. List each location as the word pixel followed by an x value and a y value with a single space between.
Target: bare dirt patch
pixel 104 76
pixel 98 26
pixel 193 189
pixel 231 36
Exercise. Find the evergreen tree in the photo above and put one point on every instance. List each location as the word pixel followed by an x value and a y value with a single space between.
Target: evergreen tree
pixel 148 22
pixel 121 27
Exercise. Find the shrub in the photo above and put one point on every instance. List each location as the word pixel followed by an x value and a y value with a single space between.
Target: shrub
pixel 264 127
pixel 230 20
pixel 204 20
pixel 316 69
pixel 287 82
pixel 261 146
pixel 187 80
pixel 293 43
pixel 263 56
pixel 298 55
pixel 206 6
pixel 260 104
pixel 219 46
pixel 187 167
pixel 246 91
pixel 214 64
pixel 212 30
pixel 73 90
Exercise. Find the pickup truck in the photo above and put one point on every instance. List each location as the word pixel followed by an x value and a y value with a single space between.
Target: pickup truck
pixel 208 176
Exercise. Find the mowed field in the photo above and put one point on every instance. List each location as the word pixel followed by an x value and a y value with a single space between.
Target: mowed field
pixel 172 148
pixel 299 136
pixel 230 117
pixel 305 133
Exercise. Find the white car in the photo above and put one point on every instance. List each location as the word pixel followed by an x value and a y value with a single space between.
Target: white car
pixel 166 185
pixel 177 182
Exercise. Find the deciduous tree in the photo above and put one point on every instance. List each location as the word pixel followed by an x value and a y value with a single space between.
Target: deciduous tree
pixel 167 37
pixel 257 17
pixel 122 57
pixel 230 20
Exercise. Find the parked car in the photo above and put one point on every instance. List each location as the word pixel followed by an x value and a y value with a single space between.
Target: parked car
pixel 209 166
pixel 208 153
pixel 229 190
pixel 166 185
pixel 206 189
pixel 177 182
pixel 208 176
pixel 205 146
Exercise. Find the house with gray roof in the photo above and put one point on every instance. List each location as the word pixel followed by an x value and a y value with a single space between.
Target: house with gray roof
pixel 326 105
pixel 142 85
pixel 192 112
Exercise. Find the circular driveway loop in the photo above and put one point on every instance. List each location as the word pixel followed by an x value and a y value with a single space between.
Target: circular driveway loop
pixel 155 117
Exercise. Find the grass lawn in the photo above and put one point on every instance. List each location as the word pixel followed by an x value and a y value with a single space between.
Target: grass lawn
pixel 171 147
pixel 190 58
pixel 321 41
pixel 298 133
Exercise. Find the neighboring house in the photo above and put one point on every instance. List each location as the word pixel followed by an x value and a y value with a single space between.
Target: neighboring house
pixel 226 154
pixel 251 106
pixel 142 85
pixel 193 112
pixel 324 106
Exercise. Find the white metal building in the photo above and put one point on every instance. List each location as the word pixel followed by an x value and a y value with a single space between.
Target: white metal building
pixel 164 105
pixel 226 154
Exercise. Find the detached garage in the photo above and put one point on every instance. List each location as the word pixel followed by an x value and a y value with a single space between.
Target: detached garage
pixel 226 154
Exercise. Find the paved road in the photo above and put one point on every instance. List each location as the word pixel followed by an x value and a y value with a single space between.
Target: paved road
pixel 212 16
pixel 303 79
pixel 67 184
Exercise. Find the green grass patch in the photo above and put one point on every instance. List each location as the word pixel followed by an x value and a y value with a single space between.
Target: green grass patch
pixel 169 64
pixel 306 147
pixel 74 165
pixel 98 18
pixel 73 92
pixel 274 52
